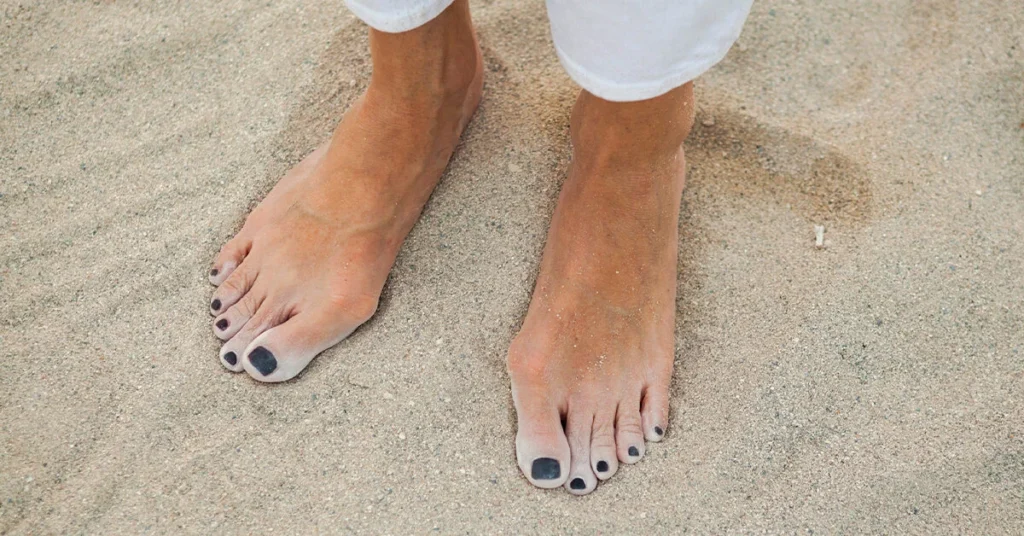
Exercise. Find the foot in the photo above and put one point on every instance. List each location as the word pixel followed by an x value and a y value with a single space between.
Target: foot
pixel 591 366
pixel 309 264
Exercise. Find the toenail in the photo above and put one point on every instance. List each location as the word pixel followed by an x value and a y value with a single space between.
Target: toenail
pixel 658 430
pixel 215 305
pixel 263 360
pixel 230 358
pixel 214 272
pixel 222 324
pixel 602 466
pixel 577 483
pixel 633 451
pixel 545 469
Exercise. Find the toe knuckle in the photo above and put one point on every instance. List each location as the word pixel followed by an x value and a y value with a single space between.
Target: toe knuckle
pixel 630 427
pixel 603 441
pixel 579 444
pixel 604 431
pixel 660 373
pixel 247 306
pixel 231 250
pixel 240 310
pixel 252 328
pixel 232 285
pixel 361 307
pixel 527 365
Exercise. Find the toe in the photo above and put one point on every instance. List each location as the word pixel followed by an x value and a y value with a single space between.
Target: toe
pixel 542 450
pixel 581 479
pixel 267 316
pixel 603 459
pixel 227 324
pixel 541 447
pixel 281 353
pixel 233 288
pixel 230 360
pixel 229 258
pixel 629 436
pixel 654 412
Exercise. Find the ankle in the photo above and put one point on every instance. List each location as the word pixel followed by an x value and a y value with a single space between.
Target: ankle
pixel 649 129
pixel 438 63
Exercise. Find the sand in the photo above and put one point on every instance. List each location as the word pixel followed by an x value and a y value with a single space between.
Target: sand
pixel 875 384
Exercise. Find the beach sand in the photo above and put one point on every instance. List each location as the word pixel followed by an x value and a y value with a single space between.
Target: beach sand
pixel 875 384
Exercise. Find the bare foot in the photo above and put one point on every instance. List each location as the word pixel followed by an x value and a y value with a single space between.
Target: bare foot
pixel 309 265
pixel 591 366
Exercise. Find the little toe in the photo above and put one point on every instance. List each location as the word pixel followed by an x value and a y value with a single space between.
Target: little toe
pixel 281 353
pixel 581 479
pixel 541 447
pixel 233 288
pixel 230 257
pixel 654 412
pixel 231 321
pixel 629 436
pixel 603 459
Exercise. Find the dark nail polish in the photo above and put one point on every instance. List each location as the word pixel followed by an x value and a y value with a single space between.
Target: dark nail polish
pixel 545 469
pixel 577 483
pixel 263 360
pixel 222 324
pixel 230 358
pixel 602 466
pixel 215 305
pixel 634 452
pixel 214 272
pixel 658 430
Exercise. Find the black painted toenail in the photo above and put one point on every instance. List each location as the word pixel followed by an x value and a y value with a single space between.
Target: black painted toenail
pixel 222 324
pixel 545 469
pixel 602 466
pixel 231 358
pixel 577 483
pixel 263 360
pixel 214 272
pixel 633 451
pixel 215 305
pixel 658 430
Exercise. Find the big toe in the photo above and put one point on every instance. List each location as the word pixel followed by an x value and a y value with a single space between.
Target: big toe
pixel 541 447
pixel 281 353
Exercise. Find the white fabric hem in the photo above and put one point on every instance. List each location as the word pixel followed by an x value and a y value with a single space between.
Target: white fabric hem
pixel 403 21
pixel 636 91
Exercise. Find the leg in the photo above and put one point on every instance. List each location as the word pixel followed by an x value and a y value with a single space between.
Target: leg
pixel 597 345
pixel 309 264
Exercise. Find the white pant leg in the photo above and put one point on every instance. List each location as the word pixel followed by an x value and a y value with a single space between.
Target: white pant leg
pixel 395 16
pixel 629 50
